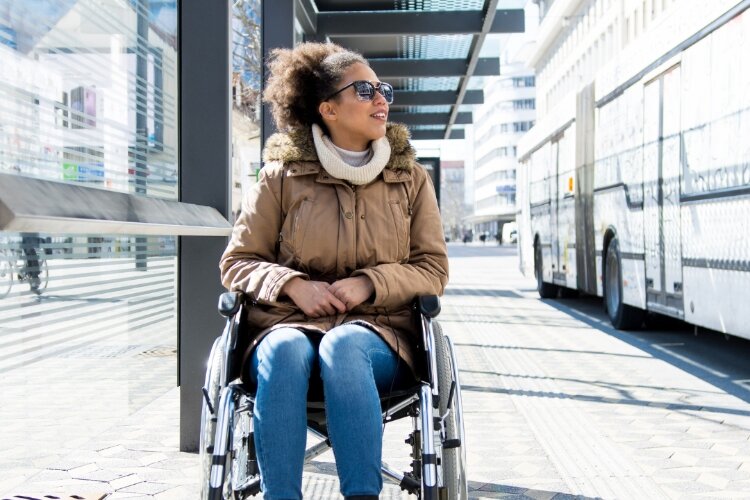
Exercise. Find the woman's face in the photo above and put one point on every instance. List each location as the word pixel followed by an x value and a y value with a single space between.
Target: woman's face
pixel 354 122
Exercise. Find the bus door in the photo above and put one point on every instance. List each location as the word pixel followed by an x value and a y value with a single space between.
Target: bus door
pixel 661 188
pixel 554 197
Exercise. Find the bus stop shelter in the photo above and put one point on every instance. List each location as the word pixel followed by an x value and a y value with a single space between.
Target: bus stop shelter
pixel 428 50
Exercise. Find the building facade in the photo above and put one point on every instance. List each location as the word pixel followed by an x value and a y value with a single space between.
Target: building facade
pixel 506 115
pixel 508 112
pixel 452 207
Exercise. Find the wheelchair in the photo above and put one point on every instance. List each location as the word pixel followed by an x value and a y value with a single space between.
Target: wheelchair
pixel 229 467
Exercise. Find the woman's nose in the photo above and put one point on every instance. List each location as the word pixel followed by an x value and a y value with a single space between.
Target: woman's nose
pixel 379 99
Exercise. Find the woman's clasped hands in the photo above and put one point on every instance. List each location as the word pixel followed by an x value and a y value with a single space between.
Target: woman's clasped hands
pixel 318 298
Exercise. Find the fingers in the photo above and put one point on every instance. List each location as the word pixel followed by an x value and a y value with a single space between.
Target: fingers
pixel 322 302
pixel 349 292
pixel 336 302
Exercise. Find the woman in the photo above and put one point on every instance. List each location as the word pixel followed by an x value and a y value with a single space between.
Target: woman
pixel 338 236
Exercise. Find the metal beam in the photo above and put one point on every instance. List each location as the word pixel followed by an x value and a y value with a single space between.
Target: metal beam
pixel 417 68
pixel 307 15
pixel 434 97
pixel 428 135
pixel 490 11
pixel 277 31
pixel 402 22
pixel 428 118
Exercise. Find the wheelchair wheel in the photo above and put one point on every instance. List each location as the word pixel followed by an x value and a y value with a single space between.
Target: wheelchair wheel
pixel 454 445
pixel 209 414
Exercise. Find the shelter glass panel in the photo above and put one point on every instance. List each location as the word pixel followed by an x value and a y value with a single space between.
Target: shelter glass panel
pixel 88 324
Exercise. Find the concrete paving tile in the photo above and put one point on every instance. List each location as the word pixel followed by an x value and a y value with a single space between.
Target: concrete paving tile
pixel 713 480
pixel 149 474
pixel 125 481
pixel 112 451
pixel 104 476
pixel 84 469
pixel 684 458
pixel 152 458
pixel 177 493
pixel 70 465
pixel 145 488
pixel 742 494
pixel 119 495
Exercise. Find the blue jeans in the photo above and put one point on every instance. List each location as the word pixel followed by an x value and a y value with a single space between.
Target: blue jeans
pixel 355 366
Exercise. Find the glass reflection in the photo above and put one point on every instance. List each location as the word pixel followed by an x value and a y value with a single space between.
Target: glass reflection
pixel 88 93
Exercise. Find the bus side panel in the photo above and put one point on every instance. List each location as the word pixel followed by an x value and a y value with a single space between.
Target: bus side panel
pixel 717 285
pixel 618 190
pixel 715 209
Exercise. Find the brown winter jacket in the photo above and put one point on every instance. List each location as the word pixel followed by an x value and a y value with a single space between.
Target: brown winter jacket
pixel 300 221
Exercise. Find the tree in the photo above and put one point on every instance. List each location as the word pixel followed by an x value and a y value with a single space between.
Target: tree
pixel 247 58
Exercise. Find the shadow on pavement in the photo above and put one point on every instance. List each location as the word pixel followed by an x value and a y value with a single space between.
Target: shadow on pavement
pixel 477 489
pixel 602 399
pixel 483 292
pixel 459 250
pixel 542 349
pixel 720 361
pixel 494 490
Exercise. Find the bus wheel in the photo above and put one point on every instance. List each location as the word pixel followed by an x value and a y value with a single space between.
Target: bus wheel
pixel 546 290
pixel 622 316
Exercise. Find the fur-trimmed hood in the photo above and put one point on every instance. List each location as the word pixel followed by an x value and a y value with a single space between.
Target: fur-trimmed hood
pixel 298 145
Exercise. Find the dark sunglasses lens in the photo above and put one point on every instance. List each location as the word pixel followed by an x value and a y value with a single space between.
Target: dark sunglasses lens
pixel 365 90
pixel 387 91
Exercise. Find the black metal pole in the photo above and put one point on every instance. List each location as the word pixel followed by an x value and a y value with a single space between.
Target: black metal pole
pixel 205 171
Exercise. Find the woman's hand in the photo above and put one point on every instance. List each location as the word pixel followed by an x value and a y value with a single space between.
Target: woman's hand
pixel 352 291
pixel 313 297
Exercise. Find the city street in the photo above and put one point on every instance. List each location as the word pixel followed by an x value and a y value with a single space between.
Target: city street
pixel 557 404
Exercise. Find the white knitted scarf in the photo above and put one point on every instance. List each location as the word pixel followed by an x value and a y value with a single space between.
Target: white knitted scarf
pixel 334 165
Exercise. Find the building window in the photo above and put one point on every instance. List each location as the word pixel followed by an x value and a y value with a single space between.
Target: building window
pixel 524 104
pixel 522 126
pixel 523 81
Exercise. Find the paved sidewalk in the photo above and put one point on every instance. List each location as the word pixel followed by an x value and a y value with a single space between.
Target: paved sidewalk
pixel 557 405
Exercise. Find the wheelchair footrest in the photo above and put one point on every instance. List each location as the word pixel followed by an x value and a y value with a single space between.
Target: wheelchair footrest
pixel 451 443
pixel 250 487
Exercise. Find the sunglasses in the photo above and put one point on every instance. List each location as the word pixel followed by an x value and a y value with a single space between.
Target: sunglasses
pixel 366 90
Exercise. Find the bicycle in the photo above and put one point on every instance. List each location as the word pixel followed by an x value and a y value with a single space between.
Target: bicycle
pixel 13 266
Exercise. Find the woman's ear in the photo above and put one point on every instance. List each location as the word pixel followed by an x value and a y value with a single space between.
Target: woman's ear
pixel 327 111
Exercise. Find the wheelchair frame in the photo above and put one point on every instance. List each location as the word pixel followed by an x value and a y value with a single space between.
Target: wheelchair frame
pixel 437 440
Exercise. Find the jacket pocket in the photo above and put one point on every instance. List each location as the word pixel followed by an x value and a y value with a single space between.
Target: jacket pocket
pixel 401 224
pixel 299 227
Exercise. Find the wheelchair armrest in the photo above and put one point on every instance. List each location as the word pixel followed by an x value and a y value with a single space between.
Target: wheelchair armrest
pixel 429 305
pixel 230 302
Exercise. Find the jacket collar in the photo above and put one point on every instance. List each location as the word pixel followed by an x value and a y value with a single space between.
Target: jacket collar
pixel 297 146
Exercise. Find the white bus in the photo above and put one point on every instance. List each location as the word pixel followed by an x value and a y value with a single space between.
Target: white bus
pixel 637 189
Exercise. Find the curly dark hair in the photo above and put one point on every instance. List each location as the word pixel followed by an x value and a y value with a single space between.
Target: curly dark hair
pixel 301 78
